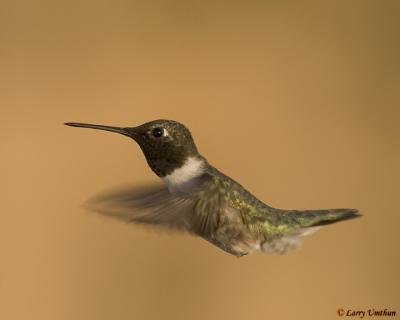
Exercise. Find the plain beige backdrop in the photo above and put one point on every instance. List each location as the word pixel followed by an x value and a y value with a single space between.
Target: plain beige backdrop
pixel 297 100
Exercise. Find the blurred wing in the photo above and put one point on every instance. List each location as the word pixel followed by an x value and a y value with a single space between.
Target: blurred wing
pixel 195 212
pixel 152 205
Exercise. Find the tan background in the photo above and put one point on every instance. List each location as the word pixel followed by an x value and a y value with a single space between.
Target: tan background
pixel 299 101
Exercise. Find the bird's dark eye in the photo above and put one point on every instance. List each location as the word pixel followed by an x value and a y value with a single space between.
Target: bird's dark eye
pixel 157 132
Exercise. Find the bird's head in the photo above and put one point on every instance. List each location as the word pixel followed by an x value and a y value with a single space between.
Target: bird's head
pixel 166 144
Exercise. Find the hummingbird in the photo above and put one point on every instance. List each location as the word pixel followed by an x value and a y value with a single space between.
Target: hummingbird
pixel 197 198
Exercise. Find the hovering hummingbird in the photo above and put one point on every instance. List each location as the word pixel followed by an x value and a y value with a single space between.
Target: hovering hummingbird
pixel 199 199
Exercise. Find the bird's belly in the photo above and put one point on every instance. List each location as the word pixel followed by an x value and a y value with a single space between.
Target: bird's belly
pixel 233 236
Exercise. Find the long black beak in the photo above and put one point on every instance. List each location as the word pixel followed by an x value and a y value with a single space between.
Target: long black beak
pixel 125 131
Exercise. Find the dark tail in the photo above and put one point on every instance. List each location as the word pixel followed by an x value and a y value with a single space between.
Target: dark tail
pixel 302 223
pixel 314 218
